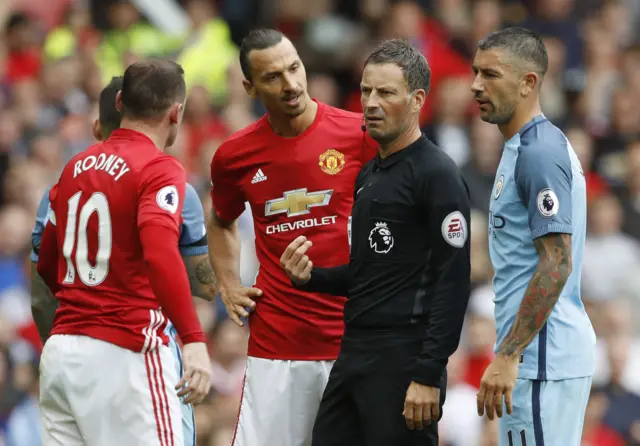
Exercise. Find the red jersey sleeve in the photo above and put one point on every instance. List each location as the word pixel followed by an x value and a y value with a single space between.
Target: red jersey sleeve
pixel 161 197
pixel 226 194
pixel 161 194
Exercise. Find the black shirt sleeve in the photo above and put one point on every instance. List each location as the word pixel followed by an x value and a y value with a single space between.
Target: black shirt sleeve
pixel 334 281
pixel 444 197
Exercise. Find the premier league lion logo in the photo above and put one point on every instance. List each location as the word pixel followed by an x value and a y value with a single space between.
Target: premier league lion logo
pixel 381 239
pixel 548 202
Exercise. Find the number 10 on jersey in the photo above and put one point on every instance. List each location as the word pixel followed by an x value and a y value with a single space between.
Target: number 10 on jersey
pixel 75 235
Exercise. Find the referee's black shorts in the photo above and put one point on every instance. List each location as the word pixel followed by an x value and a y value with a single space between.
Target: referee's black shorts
pixel 363 402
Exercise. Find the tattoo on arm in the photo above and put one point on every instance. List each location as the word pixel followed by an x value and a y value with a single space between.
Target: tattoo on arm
pixel 201 277
pixel 204 273
pixel 554 267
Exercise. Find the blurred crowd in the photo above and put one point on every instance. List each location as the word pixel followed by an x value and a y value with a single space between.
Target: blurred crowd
pixel 55 57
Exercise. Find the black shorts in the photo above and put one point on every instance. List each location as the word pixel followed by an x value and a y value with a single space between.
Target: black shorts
pixel 363 402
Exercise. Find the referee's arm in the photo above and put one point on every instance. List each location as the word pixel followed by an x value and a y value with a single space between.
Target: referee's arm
pixel 445 198
pixel 334 281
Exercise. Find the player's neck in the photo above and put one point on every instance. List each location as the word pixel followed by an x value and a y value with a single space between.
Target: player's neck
pixel 147 130
pixel 403 141
pixel 290 127
pixel 519 119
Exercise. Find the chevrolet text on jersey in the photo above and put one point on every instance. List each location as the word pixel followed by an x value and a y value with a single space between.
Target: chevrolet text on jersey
pixel 301 224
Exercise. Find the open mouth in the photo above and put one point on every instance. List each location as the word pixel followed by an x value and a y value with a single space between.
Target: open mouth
pixel 292 102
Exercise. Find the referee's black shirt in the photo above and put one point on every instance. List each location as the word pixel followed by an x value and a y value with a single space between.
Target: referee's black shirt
pixel 409 263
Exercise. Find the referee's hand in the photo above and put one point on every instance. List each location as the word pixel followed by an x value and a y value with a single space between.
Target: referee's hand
pixel 421 405
pixel 295 261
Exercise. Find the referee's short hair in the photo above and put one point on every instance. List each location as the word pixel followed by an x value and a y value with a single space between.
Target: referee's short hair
pixel 150 87
pixel 523 45
pixel 400 52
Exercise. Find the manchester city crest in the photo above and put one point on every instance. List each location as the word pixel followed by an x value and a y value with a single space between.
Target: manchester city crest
pixel 499 185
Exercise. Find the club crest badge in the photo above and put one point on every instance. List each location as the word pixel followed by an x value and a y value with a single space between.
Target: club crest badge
pixel 332 162
pixel 499 186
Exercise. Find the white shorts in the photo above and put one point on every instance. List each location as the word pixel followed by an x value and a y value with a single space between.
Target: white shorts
pixel 98 394
pixel 280 401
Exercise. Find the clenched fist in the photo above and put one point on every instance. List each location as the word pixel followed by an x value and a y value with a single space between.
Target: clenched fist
pixel 295 261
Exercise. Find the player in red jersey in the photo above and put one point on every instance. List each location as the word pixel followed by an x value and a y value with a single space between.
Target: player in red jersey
pixel 109 253
pixel 296 167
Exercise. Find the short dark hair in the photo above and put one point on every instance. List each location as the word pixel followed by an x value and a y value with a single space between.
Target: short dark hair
pixel 150 87
pixel 109 116
pixel 17 20
pixel 258 39
pixel 400 52
pixel 523 44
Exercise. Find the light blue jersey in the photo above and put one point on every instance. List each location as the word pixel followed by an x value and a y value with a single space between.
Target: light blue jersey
pixel 192 242
pixel 540 189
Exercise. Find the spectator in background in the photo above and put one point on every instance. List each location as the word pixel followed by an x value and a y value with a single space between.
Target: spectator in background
pixel 24 426
pixel 208 51
pixel 595 432
pixel 618 347
pixel 629 191
pixel 449 128
pixel 479 171
pixel 75 35
pixel 623 414
pixel 583 145
pixel 23 56
pixel 611 266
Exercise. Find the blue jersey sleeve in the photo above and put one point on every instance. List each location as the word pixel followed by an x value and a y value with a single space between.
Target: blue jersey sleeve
pixel 42 216
pixel 193 238
pixel 543 178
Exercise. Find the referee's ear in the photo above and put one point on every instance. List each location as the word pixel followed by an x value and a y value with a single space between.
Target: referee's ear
pixel 417 100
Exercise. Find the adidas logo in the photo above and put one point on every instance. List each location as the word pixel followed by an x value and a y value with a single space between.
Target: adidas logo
pixel 258 177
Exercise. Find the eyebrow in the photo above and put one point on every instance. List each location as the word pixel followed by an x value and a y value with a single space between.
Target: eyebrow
pixel 276 72
pixel 381 87
pixel 486 70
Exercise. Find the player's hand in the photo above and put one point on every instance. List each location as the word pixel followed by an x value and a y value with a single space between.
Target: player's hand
pixel 497 383
pixel 295 260
pixel 239 301
pixel 196 376
pixel 421 405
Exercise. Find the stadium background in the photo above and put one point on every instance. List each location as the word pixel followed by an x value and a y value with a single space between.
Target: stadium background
pixel 56 55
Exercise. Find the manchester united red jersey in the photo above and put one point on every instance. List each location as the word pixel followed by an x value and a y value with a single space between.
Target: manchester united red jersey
pixel 104 196
pixel 295 186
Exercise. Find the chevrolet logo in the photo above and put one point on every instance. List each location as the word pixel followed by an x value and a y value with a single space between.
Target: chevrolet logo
pixel 297 202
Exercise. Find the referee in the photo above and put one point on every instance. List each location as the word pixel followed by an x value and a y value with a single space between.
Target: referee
pixel 407 280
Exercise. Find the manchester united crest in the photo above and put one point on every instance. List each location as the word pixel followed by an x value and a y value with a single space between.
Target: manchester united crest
pixel 331 161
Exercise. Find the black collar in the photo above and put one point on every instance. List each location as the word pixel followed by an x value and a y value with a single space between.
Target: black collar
pixel 385 163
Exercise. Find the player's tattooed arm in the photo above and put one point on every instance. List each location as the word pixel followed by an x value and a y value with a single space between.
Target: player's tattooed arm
pixel 554 267
pixel 201 276
pixel 43 304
